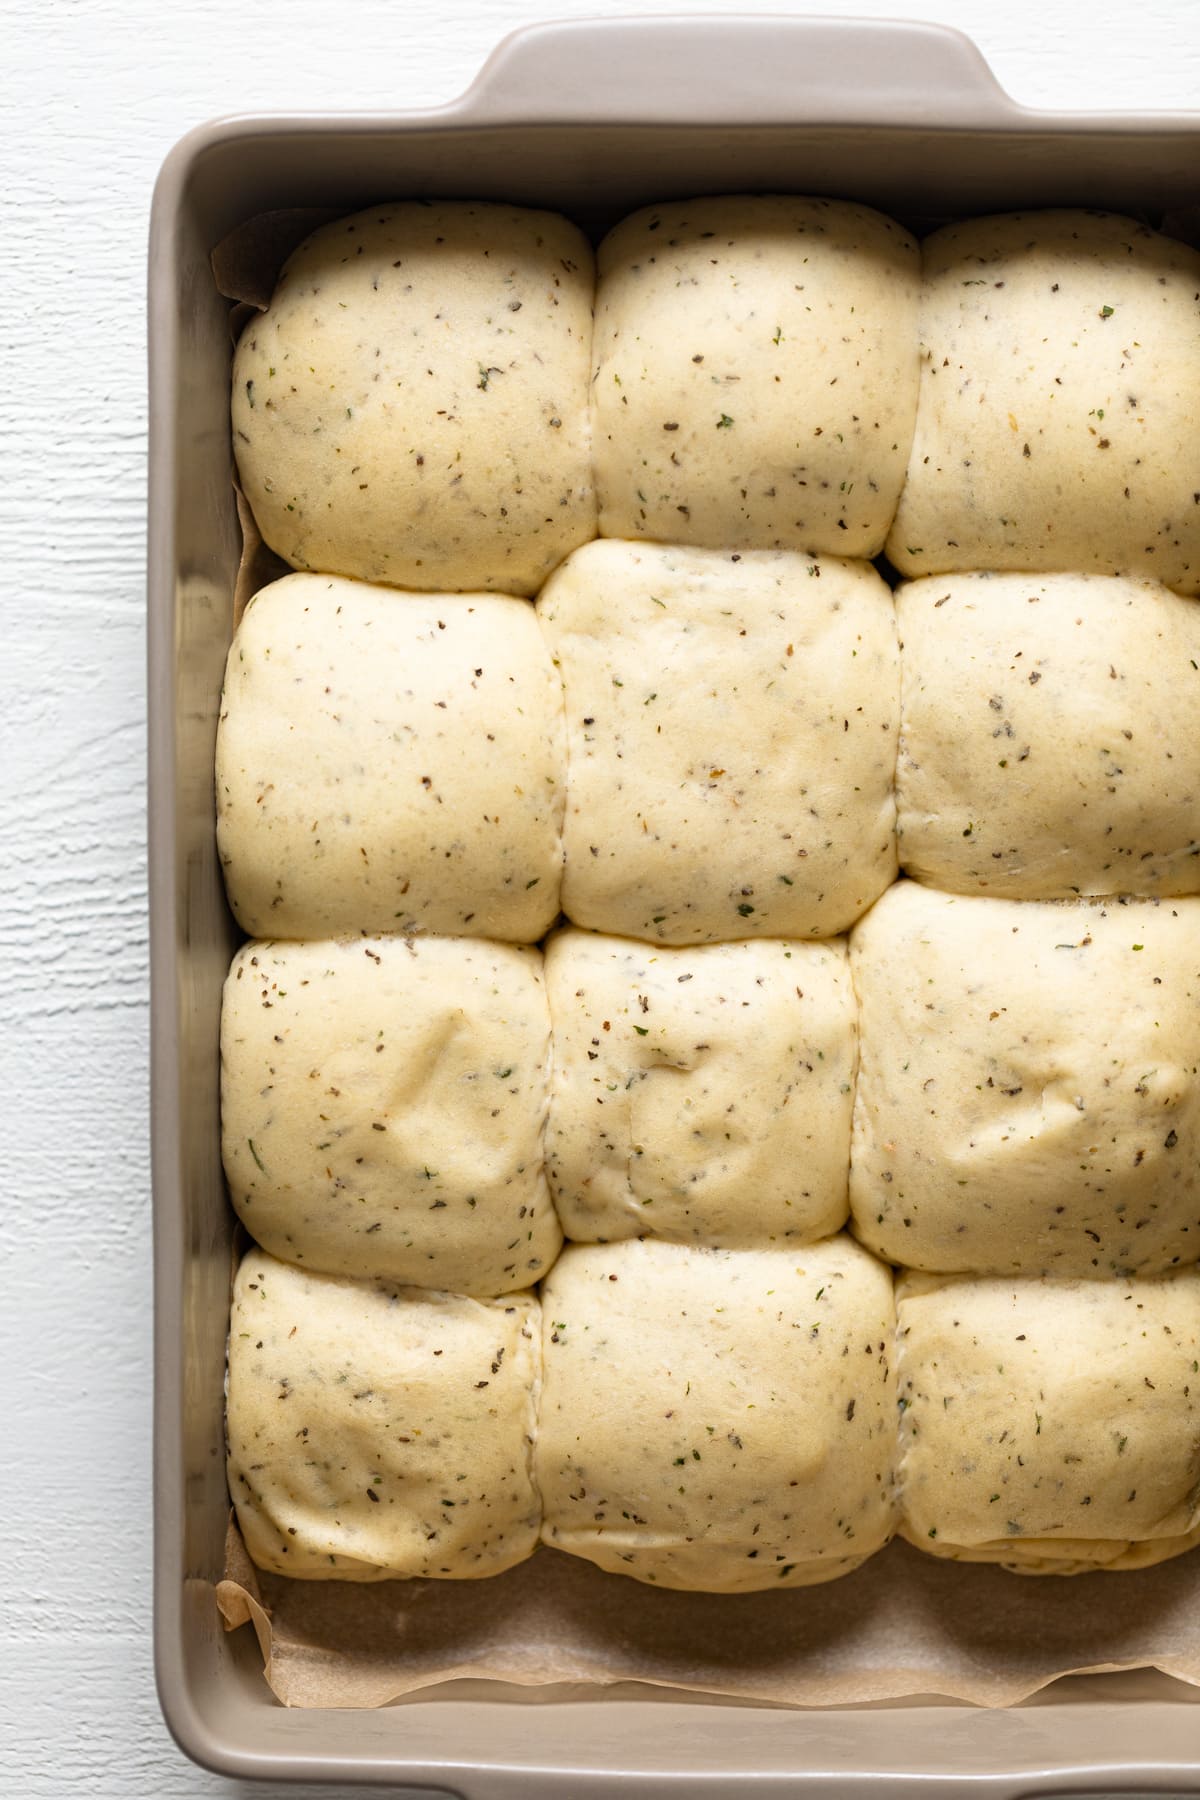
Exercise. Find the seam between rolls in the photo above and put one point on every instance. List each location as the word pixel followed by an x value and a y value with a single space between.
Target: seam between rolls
pixel 564 737
pixel 856 1100
pixel 549 1076
pixel 902 1431
pixel 589 420
pixel 901 727
pixel 535 1413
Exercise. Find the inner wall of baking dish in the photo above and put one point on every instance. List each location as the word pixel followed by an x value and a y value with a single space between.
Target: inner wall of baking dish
pixel 595 174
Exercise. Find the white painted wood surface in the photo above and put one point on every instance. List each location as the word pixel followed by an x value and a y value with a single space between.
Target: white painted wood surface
pixel 94 93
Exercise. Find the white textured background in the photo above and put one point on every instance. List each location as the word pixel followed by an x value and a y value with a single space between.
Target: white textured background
pixel 93 93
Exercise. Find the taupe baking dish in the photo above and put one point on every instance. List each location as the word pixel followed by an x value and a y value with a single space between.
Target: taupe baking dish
pixel 593 119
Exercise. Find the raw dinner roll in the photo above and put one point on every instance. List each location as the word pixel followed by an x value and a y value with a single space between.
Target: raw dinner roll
pixel 377 1431
pixel 756 374
pixel 412 406
pixel 722 1420
pixel 731 728
pixel 382 1108
pixel 1050 736
pixel 389 762
pixel 1028 1094
pixel 1052 1426
pixel 700 1095
pixel 1059 419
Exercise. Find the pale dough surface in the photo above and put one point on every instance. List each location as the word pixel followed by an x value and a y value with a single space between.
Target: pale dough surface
pixel 732 723
pixel 1050 736
pixel 377 1431
pixel 756 374
pixel 1059 417
pixel 720 1420
pixel 700 1095
pixel 1028 1095
pixel 383 1103
pixel 389 762
pixel 1053 1426
pixel 412 407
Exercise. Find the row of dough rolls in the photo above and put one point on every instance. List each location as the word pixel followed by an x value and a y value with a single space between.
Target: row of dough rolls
pixel 694 746
pixel 721 1420
pixel 438 1111
pixel 682 745
pixel 981 1086
pixel 455 396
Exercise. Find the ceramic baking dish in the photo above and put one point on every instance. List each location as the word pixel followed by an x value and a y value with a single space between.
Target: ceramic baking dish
pixel 594 119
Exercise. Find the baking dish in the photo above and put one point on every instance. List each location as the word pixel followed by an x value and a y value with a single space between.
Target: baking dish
pixel 593 119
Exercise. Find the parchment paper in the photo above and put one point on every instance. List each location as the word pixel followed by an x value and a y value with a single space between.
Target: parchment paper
pixel 904 1624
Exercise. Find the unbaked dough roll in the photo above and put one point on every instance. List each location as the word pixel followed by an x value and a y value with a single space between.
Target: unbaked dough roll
pixel 721 1420
pixel 382 1108
pixel 389 762
pixel 1059 418
pixel 1052 1426
pixel 700 1095
pixel 412 406
pixel 1028 1095
pixel 377 1431
pixel 756 373
pixel 1050 736
pixel 731 735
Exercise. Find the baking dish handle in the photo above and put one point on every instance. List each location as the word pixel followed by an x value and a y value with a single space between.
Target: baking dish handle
pixel 725 70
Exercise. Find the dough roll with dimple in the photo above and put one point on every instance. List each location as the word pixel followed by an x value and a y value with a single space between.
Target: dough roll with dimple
pixel 382 1107
pixel 412 406
pixel 1028 1095
pixel 1050 736
pixel 756 370
pixel 700 1095
pixel 389 762
pixel 731 727
pixel 376 1431
pixel 720 1420
pixel 1051 1426
pixel 1059 416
